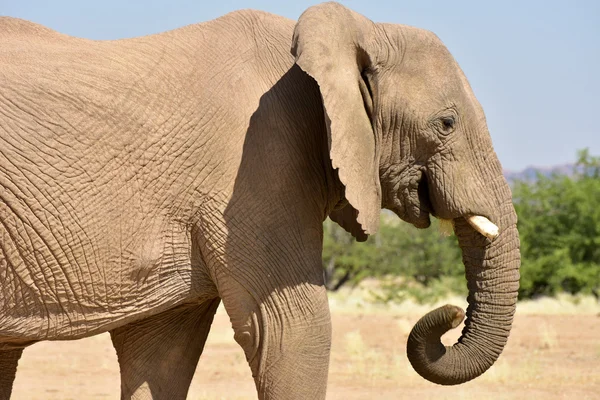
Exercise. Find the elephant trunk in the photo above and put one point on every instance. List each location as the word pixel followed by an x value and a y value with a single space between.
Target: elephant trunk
pixel 492 271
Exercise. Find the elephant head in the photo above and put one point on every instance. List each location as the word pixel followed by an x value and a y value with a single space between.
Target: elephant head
pixel 406 133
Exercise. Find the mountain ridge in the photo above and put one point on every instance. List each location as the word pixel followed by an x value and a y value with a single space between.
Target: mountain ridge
pixel 531 173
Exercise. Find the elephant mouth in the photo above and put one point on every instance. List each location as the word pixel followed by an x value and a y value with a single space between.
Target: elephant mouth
pixel 412 202
pixel 423 194
pixel 419 212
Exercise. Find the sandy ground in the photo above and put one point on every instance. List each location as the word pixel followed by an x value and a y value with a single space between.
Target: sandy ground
pixel 553 353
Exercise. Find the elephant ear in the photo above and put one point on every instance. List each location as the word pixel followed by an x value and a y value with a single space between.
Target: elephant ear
pixel 328 44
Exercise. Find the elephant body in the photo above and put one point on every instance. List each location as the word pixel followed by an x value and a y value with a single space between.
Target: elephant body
pixel 118 178
pixel 112 166
pixel 143 181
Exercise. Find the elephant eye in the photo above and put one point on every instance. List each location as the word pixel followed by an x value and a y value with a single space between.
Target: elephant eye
pixel 448 124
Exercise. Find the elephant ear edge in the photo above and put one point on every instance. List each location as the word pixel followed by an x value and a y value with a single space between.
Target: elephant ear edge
pixel 346 218
pixel 326 44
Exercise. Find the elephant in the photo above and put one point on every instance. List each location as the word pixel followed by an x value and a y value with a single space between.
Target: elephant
pixel 145 180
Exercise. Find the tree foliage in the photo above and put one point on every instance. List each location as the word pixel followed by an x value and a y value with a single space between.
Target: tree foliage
pixel 559 226
pixel 423 257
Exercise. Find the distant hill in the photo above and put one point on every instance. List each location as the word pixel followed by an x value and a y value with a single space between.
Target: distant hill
pixel 530 173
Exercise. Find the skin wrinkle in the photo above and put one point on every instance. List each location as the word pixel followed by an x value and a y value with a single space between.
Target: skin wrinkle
pixel 27 235
pixel 72 239
pixel 44 293
pixel 31 285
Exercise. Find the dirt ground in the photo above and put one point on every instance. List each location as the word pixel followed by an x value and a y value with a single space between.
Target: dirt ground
pixel 550 355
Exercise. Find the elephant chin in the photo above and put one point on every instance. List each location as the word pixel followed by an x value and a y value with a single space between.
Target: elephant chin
pixel 416 216
pixel 421 221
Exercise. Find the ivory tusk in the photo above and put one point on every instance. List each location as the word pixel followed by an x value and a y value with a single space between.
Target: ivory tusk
pixel 483 226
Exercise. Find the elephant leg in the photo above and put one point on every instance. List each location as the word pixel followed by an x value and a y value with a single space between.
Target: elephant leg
pixel 284 328
pixel 158 355
pixel 8 369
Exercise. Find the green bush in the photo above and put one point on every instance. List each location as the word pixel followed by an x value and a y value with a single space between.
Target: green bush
pixel 429 263
pixel 559 226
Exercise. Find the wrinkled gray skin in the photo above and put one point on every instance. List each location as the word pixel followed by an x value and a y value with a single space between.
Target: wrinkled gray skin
pixel 142 181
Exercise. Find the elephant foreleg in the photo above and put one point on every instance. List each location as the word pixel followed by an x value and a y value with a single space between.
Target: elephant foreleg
pixel 8 369
pixel 158 355
pixel 285 334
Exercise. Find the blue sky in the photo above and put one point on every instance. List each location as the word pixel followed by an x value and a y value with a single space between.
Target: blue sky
pixel 534 65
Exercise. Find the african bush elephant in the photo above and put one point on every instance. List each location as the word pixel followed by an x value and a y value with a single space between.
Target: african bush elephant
pixel 142 181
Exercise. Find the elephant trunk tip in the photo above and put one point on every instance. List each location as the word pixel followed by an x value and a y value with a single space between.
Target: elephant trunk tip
pixel 425 349
pixel 438 321
pixel 454 314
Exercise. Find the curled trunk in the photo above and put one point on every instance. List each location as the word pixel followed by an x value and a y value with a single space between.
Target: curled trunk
pixel 492 271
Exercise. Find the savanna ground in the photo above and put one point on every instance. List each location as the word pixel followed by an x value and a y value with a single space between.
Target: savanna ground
pixel 553 353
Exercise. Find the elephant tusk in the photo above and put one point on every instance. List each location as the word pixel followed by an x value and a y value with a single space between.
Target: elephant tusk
pixel 484 226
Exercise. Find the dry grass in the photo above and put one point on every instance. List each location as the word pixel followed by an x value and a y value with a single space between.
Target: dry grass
pixel 563 304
